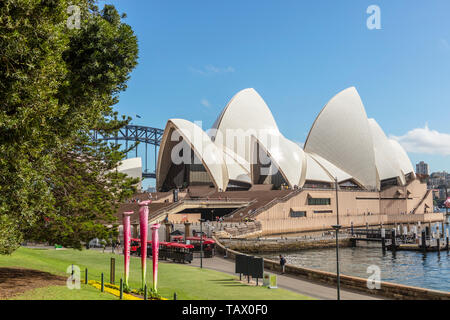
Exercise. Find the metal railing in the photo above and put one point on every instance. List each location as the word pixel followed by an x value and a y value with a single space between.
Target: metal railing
pixel 275 201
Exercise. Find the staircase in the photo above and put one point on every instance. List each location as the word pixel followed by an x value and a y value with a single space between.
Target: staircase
pixel 421 201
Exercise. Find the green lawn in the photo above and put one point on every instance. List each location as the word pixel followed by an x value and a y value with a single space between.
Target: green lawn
pixel 188 282
pixel 86 292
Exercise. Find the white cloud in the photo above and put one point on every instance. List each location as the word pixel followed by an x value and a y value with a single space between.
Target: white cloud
pixel 205 103
pixel 210 70
pixel 424 140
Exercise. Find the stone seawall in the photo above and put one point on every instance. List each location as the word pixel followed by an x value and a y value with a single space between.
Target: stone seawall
pixel 387 289
pixel 268 246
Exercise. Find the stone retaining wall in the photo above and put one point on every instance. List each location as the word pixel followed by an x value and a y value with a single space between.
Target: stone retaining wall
pixel 266 246
pixel 387 289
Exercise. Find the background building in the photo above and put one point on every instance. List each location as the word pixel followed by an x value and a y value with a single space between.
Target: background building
pixel 422 168
pixel 438 181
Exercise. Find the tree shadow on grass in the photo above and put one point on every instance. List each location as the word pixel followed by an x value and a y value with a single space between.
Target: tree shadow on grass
pixel 235 285
pixel 222 280
pixel 229 282
pixel 14 281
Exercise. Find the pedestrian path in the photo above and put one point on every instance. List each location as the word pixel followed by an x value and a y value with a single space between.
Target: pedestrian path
pixel 305 287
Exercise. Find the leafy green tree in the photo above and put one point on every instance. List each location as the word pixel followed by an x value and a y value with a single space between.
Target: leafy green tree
pixel 87 189
pixel 56 86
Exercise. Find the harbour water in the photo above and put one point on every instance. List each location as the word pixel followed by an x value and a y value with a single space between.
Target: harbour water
pixel 430 270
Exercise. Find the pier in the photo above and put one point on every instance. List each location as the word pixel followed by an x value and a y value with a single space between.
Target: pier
pixel 405 238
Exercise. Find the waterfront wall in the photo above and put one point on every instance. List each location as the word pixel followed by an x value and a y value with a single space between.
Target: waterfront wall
pixel 292 225
pixel 261 228
pixel 252 246
pixel 387 289
pixel 414 218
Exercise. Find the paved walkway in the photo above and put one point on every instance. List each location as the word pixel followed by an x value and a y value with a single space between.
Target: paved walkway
pixel 305 287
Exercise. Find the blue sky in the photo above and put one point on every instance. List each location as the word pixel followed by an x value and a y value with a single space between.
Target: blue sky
pixel 196 54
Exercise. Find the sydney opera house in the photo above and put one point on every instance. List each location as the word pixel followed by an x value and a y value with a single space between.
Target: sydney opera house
pixel 243 168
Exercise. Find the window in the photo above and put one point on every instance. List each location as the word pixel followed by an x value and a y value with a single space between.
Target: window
pixel 297 214
pixel 319 201
pixel 323 211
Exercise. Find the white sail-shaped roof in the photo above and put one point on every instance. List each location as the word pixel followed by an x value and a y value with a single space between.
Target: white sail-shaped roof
pixel 385 158
pixel 238 169
pixel 288 157
pixel 314 172
pixel 341 135
pixel 246 111
pixel 342 144
pixel 247 116
pixel 402 158
pixel 211 157
pixel 331 169
pixel 244 164
pixel 292 160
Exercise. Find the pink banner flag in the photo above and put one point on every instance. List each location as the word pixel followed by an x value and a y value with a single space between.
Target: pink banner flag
pixel 155 252
pixel 126 243
pixel 143 225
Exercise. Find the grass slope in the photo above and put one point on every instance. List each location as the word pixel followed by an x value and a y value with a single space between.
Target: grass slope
pixel 190 283
pixel 86 292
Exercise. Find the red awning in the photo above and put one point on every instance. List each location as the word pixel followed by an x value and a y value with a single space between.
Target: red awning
pixel 178 245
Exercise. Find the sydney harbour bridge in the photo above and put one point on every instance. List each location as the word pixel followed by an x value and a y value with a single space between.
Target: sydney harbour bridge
pixel 146 141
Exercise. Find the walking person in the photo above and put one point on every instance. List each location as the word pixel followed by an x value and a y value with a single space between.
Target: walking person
pixel 282 263
pixel 118 245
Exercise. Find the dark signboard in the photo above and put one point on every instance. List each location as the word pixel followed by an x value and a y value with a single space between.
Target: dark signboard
pixel 242 262
pixel 256 267
pixel 249 265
